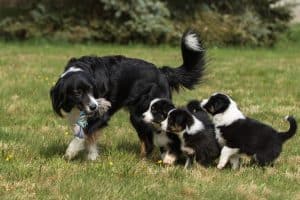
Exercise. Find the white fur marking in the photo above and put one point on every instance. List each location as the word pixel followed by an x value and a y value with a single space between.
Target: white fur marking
pixel 192 42
pixel 147 116
pixel 161 139
pixel 92 101
pixel 203 102
pixel 226 154
pixel 231 114
pixel 196 127
pixel 164 125
pixel 71 69
pixel 286 118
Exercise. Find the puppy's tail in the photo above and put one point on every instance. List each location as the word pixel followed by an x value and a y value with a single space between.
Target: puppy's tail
pixel 292 130
pixel 192 69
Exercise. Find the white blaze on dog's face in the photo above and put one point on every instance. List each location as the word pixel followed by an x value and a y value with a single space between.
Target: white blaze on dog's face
pixel 157 111
pixel 223 109
pixel 148 116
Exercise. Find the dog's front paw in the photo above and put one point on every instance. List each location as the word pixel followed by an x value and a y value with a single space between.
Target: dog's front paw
pixel 69 155
pixel 169 159
pixel 220 166
pixel 92 156
pixel 76 145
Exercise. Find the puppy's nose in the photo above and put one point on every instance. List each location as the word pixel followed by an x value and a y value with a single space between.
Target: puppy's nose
pixel 93 107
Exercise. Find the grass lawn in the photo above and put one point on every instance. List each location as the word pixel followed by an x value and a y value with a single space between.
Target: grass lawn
pixel 265 83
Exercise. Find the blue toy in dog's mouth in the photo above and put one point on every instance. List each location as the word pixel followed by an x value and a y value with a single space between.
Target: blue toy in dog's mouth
pixel 82 122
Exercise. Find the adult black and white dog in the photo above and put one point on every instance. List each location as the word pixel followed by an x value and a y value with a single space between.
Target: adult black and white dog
pixel 240 134
pixel 124 82
pixel 196 133
pixel 168 143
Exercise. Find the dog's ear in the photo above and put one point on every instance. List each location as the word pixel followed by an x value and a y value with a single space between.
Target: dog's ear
pixel 194 106
pixel 219 105
pixel 167 107
pixel 189 119
pixel 57 97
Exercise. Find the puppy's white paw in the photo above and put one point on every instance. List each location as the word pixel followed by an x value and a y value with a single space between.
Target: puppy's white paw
pixel 169 159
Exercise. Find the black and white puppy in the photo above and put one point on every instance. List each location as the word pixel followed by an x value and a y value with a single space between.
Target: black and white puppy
pixel 240 134
pixel 168 143
pixel 126 83
pixel 196 133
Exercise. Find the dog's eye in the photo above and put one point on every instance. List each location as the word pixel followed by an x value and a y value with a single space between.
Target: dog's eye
pixel 78 93
pixel 153 110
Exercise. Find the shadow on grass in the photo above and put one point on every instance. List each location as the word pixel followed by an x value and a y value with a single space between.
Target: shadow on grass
pixel 57 149
pixel 53 149
pixel 129 147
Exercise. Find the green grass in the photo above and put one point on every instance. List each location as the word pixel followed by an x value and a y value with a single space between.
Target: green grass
pixel 265 83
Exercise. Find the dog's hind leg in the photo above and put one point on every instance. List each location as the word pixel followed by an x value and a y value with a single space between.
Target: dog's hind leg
pixel 226 154
pixel 267 157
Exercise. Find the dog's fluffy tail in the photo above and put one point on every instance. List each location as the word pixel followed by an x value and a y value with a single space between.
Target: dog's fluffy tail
pixel 292 130
pixel 192 69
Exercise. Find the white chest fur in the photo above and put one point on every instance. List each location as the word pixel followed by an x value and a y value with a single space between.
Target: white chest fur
pixel 161 139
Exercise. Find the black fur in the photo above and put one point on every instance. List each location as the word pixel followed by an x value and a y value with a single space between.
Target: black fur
pixel 159 112
pixel 126 82
pixel 249 135
pixel 203 142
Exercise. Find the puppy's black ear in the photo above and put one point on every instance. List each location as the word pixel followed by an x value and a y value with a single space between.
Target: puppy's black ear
pixel 220 104
pixel 57 97
pixel 189 119
pixel 194 106
pixel 167 107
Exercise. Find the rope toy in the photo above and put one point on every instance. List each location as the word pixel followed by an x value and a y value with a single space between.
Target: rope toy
pixel 82 122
